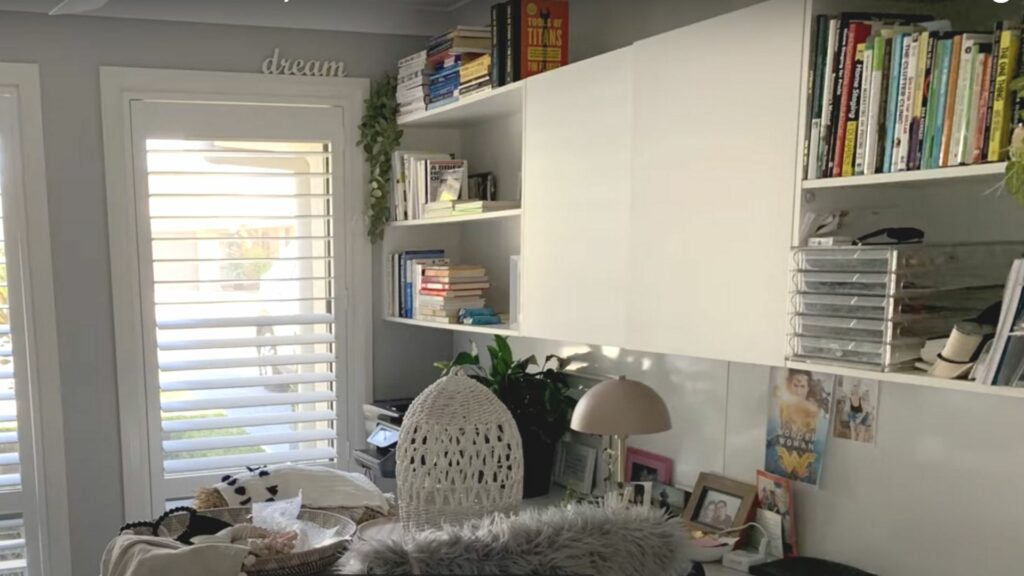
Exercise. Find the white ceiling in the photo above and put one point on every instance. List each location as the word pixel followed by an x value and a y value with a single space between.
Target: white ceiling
pixel 409 17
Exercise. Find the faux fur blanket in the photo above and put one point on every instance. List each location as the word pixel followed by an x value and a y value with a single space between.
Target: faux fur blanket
pixel 575 540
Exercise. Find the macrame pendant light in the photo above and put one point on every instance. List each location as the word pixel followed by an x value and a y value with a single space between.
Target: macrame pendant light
pixel 459 456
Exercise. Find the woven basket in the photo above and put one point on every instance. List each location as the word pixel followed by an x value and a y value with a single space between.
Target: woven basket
pixel 307 563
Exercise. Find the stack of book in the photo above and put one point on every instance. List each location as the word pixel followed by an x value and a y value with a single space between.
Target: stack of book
pixel 475 76
pixel 527 38
pixel 447 290
pixel 465 207
pixel 422 178
pixel 446 54
pixel 404 272
pixel 893 93
pixel 411 92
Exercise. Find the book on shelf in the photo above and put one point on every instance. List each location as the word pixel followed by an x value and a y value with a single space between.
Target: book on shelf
pixel 891 92
pixel 1004 363
pixel 528 37
pixel 471 283
pixel 405 182
pixel 401 278
pixel 455 271
pixel 443 209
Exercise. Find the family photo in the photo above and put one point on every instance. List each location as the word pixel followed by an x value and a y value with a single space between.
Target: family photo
pixel 718 509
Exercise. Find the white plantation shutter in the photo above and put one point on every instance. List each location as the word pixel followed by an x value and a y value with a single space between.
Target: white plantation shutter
pixel 242 283
pixel 238 270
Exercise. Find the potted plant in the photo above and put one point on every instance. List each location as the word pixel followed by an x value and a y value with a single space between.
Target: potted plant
pixel 537 395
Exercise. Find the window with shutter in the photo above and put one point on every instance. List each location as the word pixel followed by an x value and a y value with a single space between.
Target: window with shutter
pixel 239 267
pixel 32 538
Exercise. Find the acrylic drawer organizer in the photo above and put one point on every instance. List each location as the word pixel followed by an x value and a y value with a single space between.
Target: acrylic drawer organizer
pixel 874 306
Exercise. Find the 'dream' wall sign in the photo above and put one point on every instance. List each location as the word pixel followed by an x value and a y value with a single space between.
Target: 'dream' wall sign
pixel 299 67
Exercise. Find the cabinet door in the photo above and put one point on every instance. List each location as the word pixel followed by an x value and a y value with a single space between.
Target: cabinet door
pixel 576 200
pixel 714 148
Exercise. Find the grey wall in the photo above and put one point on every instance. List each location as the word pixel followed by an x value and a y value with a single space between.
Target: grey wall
pixel 599 26
pixel 69 51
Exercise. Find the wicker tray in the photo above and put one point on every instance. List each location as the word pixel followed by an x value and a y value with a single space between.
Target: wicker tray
pixel 307 563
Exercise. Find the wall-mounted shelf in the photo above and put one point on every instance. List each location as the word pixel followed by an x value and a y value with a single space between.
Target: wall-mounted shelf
pixel 916 378
pixel 988 171
pixel 496 103
pixel 498 329
pixel 516 212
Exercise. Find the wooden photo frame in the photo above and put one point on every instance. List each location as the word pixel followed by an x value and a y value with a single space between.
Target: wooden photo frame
pixel 644 466
pixel 719 503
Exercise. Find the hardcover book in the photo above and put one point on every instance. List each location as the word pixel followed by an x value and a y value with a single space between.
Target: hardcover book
pixel 538 37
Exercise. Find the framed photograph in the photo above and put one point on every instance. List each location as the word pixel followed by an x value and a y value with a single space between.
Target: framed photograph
pixel 574 466
pixel 643 466
pixel 719 503
pixel 669 499
pixel 639 493
pixel 775 494
pixel 855 406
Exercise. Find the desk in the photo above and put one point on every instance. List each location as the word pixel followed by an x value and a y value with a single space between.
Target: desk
pixel 717 569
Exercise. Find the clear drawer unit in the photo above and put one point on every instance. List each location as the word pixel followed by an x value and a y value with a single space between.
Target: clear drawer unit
pixel 874 306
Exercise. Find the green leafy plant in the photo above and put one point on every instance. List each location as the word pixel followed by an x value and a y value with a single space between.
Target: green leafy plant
pixel 379 135
pixel 537 394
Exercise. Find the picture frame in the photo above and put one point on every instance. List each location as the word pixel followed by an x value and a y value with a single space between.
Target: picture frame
pixel 672 500
pixel 644 466
pixel 575 466
pixel 719 503
pixel 639 494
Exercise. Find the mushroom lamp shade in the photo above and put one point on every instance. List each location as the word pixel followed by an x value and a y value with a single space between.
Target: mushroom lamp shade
pixel 621 407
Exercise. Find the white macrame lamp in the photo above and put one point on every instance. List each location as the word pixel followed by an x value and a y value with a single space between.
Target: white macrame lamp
pixel 459 456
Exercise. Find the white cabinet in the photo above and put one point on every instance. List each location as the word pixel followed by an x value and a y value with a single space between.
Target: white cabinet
pixel 576 205
pixel 714 165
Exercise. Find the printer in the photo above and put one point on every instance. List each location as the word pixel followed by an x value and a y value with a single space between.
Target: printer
pixel 384 422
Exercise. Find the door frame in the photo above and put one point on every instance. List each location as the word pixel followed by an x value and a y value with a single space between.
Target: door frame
pixel 118 88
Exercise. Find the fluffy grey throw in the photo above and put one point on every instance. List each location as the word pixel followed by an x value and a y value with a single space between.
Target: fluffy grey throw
pixel 575 540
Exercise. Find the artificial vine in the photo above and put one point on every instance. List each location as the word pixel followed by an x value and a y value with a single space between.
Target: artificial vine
pixel 379 135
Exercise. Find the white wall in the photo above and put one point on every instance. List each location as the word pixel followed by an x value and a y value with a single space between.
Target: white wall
pixel 937 495
pixel 70 51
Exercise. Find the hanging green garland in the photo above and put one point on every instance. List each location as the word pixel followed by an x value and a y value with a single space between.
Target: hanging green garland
pixel 379 135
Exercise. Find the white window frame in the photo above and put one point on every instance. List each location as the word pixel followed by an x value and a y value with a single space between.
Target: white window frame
pixel 119 87
pixel 43 496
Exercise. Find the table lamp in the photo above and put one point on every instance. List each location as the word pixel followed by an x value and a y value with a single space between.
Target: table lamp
pixel 620 408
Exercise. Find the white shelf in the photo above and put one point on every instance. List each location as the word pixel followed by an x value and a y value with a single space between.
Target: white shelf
pixel 990 170
pixel 496 103
pixel 915 378
pixel 513 213
pixel 500 329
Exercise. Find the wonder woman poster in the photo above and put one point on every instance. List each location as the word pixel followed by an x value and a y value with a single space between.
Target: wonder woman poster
pixel 798 423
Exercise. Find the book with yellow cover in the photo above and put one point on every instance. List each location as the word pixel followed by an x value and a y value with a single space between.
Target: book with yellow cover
pixel 1006 68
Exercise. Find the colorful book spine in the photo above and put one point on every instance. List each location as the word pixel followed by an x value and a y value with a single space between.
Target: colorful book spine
pixel 1002 120
pixel 905 113
pixel 866 83
pixel 513 20
pixel 499 34
pixel 952 86
pixel 917 110
pixel 997 37
pixel 856 35
pixel 963 93
pixel 853 111
pixel 892 101
pixel 817 79
pixel 978 140
pixel 938 111
pixel 917 152
pixel 825 137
